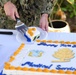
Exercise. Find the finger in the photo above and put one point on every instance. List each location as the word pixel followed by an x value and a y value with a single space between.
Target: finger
pixel 43 27
pixel 40 25
pixel 16 14
pixel 46 27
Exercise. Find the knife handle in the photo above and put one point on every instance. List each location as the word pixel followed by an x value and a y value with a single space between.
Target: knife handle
pixel 6 33
pixel 17 19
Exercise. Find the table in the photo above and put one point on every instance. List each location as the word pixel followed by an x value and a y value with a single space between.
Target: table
pixel 9 43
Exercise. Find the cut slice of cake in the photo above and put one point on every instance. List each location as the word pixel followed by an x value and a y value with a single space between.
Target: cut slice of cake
pixel 33 33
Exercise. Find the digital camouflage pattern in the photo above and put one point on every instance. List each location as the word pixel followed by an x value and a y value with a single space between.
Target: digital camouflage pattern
pixel 29 11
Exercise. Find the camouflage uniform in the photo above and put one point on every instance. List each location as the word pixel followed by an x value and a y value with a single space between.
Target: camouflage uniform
pixel 29 11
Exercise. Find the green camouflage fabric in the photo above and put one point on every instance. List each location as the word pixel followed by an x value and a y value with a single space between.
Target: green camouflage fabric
pixel 29 11
pixel 2 2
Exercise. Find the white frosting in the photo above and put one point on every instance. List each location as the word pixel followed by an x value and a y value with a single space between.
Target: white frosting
pixel 14 72
pixel 38 54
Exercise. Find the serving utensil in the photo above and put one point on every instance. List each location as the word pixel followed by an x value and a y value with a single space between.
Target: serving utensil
pixel 22 28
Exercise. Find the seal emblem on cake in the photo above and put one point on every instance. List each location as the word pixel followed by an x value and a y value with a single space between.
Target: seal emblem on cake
pixel 64 55
pixel 35 53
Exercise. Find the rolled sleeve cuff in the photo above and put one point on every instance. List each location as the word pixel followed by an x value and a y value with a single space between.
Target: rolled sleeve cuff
pixel 48 8
pixel 3 2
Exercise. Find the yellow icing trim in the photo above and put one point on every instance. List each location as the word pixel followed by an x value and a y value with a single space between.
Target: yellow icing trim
pixel 53 71
pixel 12 67
pixel 25 69
pixel 32 69
pixel 49 41
pixel 30 32
pixel 33 29
pixel 61 72
pixel 69 72
pixel 19 49
pixel 62 42
pixel 7 65
pixel 55 41
pixel 68 42
pixel 43 41
pixel 11 59
pixel 38 40
pixel 15 53
pixel 39 70
pixel 74 72
pixel 18 68
pixel 46 70
pixel 73 42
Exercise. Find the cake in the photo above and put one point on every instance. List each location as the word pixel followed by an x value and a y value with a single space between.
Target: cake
pixel 33 33
pixel 44 57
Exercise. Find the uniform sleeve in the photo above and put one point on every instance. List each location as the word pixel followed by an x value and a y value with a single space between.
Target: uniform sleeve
pixel 2 2
pixel 47 6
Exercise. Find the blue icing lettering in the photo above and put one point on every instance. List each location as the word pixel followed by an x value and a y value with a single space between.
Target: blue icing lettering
pixel 69 45
pixel 53 45
pixel 42 43
pixel 50 66
pixel 31 64
pixel 65 45
pixel 74 46
pixel 44 66
pixel 59 67
pixel 65 68
pixel 37 65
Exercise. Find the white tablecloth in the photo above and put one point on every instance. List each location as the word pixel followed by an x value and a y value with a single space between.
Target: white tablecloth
pixel 9 43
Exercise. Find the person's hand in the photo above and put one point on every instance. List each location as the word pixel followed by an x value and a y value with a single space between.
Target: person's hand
pixel 44 22
pixel 11 10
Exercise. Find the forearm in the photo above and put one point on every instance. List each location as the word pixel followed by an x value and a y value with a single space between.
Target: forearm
pixel 47 6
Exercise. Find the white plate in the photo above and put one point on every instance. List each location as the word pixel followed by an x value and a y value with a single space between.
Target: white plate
pixel 22 39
